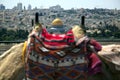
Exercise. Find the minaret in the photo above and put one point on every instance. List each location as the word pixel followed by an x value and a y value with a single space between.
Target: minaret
pixel 36 18
pixel 83 23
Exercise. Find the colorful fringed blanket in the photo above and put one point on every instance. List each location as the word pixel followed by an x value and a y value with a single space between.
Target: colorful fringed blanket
pixel 43 63
pixel 53 57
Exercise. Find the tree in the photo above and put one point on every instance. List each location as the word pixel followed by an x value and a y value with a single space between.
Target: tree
pixel 11 35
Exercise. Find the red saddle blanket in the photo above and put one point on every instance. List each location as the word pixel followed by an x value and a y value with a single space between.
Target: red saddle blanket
pixel 43 63
pixel 53 59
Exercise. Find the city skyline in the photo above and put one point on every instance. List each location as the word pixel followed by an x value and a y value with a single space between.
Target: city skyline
pixel 66 4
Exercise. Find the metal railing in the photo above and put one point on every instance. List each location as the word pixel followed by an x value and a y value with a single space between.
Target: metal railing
pixel 9 42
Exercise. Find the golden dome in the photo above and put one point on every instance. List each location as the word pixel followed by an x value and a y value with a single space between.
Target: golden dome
pixel 57 22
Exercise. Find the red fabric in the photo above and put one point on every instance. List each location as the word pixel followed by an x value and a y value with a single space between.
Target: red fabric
pixel 96 44
pixel 57 39
pixel 52 36
pixel 95 64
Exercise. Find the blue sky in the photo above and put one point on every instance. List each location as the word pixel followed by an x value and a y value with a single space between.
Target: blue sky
pixel 66 4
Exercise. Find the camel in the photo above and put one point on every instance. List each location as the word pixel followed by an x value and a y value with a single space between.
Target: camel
pixel 12 65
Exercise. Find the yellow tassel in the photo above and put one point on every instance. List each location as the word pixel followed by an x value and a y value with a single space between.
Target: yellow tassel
pixel 78 31
pixel 24 51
